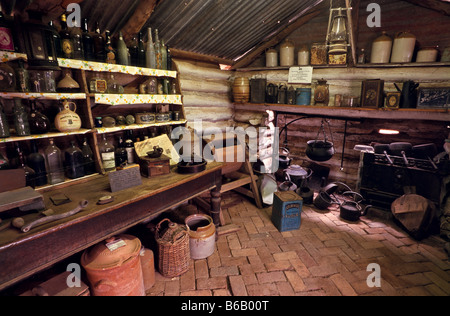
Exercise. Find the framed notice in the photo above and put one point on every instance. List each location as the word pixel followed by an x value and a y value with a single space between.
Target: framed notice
pixel 300 75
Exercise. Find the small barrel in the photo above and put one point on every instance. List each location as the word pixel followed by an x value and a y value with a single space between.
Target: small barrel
pixel 241 90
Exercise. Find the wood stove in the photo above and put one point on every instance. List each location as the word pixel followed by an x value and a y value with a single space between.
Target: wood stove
pixel 382 181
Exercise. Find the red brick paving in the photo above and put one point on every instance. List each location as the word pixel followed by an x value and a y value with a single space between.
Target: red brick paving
pixel 326 256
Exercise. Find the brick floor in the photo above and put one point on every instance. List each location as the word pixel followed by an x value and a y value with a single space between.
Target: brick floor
pixel 326 256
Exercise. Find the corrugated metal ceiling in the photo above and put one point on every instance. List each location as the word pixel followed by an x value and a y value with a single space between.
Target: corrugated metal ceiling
pixel 223 28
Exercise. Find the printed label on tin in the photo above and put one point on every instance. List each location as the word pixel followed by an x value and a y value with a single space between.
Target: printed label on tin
pixel 116 244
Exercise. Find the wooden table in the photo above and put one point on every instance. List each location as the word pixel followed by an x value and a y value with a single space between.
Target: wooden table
pixel 23 254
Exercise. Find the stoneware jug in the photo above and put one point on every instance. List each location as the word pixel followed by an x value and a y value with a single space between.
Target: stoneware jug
pixel 68 120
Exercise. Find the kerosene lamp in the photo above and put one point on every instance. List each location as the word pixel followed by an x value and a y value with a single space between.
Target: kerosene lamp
pixel 337 36
pixel 39 43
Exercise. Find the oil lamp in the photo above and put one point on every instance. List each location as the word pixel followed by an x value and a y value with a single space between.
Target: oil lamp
pixel 337 37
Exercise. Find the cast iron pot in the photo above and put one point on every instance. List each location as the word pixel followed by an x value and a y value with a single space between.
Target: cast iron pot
pixel 307 194
pixel 298 174
pixel 319 150
pixel 323 201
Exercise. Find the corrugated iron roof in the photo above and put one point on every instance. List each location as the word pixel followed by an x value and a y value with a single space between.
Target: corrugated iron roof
pixel 223 28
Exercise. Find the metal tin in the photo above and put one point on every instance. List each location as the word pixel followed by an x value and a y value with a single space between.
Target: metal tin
pixel 145 118
pixel 162 117
pixel 286 211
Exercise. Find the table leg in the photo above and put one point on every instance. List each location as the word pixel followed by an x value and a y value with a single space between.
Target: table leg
pixel 216 199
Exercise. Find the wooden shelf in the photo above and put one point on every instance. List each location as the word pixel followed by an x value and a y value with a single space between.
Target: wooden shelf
pixel 106 130
pixel 128 99
pixel 10 56
pixel 104 67
pixel 442 115
pixel 43 136
pixel 43 96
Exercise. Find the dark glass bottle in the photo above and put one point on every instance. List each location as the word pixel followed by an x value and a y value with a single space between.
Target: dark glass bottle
pixel 4 126
pixel 39 123
pixel 109 50
pixel 73 162
pixel 29 172
pixel 21 119
pixel 77 39
pixel 99 44
pixel 134 52
pixel 88 42
pixel 88 158
pixel 22 78
pixel 57 40
pixel 66 39
pixel 37 162
pixel 141 52
pixel 121 153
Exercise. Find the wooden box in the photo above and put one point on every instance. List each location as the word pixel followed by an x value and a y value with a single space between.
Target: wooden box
pixel 57 286
pixel 151 167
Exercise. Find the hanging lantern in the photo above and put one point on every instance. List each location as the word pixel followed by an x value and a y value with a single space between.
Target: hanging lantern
pixel 39 43
pixel 337 38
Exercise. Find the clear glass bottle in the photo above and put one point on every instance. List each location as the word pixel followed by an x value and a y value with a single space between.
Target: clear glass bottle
pixel 37 162
pixel 129 146
pixel 54 163
pixel 150 53
pixel 158 50
pixel 21 119
pixel 73 161
pixel 88 158
pixel 107 151
pixel 114 86
pixel 98 84
pixel 122 51
pixel 4 126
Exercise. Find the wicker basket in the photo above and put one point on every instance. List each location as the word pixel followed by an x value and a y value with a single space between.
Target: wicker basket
pixel 173 249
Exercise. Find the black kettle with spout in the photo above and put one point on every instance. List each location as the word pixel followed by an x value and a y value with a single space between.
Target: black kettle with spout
pixel 408 99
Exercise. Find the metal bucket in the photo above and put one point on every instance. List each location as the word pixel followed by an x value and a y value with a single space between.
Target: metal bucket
pixel 202 236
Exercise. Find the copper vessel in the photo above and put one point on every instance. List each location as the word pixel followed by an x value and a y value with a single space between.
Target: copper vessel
pixel 113 267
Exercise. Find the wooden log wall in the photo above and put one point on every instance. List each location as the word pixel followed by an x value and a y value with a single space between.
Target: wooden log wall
pixel 206 94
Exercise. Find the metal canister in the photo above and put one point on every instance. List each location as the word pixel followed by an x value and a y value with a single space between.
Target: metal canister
pixel 113 267
pixel 145 118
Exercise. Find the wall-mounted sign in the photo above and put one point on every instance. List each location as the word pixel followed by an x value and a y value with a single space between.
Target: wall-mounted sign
pixel 300 75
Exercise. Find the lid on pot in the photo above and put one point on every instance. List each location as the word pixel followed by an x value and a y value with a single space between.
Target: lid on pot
pixel 296 171
pixel 111 253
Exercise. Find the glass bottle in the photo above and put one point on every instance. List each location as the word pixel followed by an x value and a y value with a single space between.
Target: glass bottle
pixel 169 59
pixel 37 162
pixel 114 86
pixel 121 153
pixel 7 78
pixel 98 84
pixel 163 56
pixel 134 52
pixel 109 50
pixel 129 147
pixel 22 78
pixel 107 152
pixel 122 51
pixel 158 50
pixel 4 126
pixel 54 163
pixel 88 158
pixel 39 123
pixel 150 54
pixel 141 51
pixel 99 44
pixel 77 39
pixel 66 39
pixel 29 172
pixel 88 42
pixel 21 119
pixel 73 161
pixel 57 40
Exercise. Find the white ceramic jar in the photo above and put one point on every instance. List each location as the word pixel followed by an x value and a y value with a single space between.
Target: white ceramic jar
pixel 287 54
pixel 381 49
pixel 403 48
pixel 427 55
pixel 271 58
pixel 303 56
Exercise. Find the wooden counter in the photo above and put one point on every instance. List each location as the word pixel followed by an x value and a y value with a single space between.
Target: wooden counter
pixel 23 254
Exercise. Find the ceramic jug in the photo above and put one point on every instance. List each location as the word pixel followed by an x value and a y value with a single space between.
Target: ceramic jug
pixel 403 48
pixel 68 120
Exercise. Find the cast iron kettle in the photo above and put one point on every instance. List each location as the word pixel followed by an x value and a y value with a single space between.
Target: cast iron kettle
pixel 352 210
